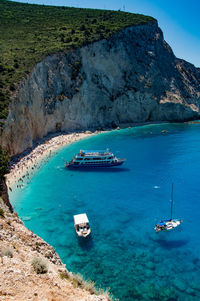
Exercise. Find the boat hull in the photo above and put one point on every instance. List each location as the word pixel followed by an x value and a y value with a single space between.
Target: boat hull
pixel 169 225
pixel 83 233
pixel 86 166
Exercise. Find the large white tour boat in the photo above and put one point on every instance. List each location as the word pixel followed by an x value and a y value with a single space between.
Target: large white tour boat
pixel 94 159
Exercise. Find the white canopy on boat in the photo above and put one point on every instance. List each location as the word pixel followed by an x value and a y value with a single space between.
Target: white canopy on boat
pixel 80 219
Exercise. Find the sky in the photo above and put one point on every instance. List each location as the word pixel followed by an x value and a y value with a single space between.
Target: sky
pixel 178 19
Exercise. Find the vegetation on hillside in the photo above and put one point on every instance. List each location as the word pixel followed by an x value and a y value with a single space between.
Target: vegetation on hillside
pixel 30 32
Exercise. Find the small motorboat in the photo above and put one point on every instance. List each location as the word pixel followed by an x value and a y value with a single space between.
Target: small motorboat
pixel 81 224
pixel 168 224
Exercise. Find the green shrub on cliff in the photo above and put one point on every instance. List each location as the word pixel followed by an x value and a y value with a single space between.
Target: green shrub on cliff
pixel 4 160
pixel 7 252
pixel 30 32
pixel 39 266
pixel 88 285
pixel 1 212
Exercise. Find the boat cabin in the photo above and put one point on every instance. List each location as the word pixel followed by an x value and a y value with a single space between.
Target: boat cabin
pixel 167 225
pixel 81 224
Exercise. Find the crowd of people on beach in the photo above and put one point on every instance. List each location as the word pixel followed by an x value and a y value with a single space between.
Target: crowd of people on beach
pixel 23 166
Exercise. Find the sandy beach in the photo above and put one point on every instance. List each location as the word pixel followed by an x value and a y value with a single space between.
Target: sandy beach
pixel 23 166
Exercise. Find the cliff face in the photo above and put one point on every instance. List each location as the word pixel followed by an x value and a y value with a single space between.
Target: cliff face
pixel 132 77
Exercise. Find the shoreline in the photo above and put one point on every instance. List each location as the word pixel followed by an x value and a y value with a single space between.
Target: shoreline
pixel 43 149
pixel 58 278
pixel 23 166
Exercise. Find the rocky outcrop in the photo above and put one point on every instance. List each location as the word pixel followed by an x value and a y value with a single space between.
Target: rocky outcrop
pixel 132 77
pixel 4 195
pixel 19 281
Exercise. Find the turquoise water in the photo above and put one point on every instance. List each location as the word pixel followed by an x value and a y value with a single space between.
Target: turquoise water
pixel 123 205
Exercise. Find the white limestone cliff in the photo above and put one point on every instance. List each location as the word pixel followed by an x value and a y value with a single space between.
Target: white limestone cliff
pixel 132 77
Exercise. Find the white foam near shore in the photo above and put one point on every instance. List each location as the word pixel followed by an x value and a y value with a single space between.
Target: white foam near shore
pixel 24 167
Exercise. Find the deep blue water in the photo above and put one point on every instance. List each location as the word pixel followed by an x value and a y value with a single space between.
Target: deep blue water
pixel 123 205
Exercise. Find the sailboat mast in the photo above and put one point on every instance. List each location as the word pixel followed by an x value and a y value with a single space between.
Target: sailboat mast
pixel 172 200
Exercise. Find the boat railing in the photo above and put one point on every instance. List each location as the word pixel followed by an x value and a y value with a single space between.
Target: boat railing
pixel 120 159
pixel 95 153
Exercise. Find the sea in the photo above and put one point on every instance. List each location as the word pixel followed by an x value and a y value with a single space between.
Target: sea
pixel 123 204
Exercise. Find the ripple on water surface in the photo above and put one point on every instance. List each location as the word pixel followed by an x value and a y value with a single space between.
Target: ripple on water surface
pixel 123 205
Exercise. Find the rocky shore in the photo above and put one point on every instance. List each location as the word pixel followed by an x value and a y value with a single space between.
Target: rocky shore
pixel 21 280
pixel 133 77
pixel 20 247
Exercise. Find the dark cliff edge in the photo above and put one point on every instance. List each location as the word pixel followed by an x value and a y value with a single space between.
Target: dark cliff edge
pixel 4 195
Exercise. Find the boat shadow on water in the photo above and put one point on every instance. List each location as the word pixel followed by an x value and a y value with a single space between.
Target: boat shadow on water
pixel 172 244
pixel 86 243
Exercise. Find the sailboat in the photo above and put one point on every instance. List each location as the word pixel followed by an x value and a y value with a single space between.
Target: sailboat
pixel 168 224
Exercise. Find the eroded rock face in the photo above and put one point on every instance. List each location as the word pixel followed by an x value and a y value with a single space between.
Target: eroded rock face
pixel 4 195
pixel 19 281
pixel 132 77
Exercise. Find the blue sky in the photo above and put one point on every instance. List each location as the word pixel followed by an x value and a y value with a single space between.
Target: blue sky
pixel 178 19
